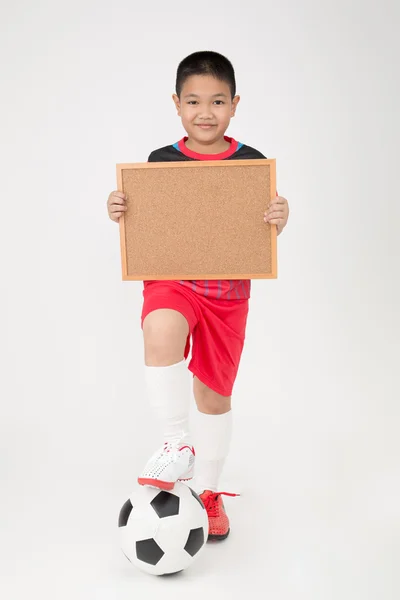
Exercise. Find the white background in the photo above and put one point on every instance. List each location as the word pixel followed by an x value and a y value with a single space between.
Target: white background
pixel 86 85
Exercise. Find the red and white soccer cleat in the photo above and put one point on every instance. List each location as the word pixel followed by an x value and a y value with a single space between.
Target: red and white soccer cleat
pixel 171 463
pixel 218 522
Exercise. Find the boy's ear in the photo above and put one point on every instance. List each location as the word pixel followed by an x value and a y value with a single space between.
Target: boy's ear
pixel 176 102
pixel 235 102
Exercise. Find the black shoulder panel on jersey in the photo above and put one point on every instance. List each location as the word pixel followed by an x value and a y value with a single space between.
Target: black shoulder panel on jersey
pixel 166 154
pixel 169 153
pixel 246 152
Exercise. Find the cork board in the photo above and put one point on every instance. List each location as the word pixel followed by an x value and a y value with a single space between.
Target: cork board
pixel 197 220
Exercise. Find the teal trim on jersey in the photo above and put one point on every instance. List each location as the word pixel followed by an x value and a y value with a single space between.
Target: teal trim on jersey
pixel 176 146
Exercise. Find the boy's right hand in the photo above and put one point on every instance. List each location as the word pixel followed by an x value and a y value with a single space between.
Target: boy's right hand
pixel 116 205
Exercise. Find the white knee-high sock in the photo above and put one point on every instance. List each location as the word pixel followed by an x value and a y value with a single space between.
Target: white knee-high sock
pixel 212 437
pixel 169 392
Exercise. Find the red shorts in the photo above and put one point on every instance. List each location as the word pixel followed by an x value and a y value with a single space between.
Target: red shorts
pixel 217 328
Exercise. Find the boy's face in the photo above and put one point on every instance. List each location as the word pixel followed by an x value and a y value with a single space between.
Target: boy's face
pixel 205 101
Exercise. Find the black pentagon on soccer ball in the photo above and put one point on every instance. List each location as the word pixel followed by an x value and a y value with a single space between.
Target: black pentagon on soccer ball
pixel 166 504
pixel 124 513
pixel 199 500
pixel 149 551
pixel 195 541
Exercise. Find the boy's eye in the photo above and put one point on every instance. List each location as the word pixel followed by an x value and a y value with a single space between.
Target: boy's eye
pixel 190 101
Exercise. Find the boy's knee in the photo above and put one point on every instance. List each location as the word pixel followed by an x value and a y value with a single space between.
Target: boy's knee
pixel 165 333
pixel 208 401
pixel 161 356
pixel 215 407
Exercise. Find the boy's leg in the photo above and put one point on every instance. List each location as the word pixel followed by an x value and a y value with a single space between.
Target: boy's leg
pixel 168 385
pixel 213 425
pixel 167 382
pixel 213 429
pixel 217 347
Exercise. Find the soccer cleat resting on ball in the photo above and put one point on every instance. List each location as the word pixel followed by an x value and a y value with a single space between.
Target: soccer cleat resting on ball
pixel 218 522
pixel 171 463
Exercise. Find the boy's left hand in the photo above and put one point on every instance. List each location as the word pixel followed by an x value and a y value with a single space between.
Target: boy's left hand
pixel 277 213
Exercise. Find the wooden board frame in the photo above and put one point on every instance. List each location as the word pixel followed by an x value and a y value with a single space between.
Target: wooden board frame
pixel 236 173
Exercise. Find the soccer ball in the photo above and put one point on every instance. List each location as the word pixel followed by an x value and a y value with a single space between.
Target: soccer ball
pixel 163 532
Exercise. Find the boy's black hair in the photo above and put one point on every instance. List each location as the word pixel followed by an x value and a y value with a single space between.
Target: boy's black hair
pixel 205 63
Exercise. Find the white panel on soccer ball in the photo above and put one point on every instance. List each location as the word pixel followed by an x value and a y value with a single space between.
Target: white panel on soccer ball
pixel 194 511
pixel 172 533
pixel 142 525
pixel 173 562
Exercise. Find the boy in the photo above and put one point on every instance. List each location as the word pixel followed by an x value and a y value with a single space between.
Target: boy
pixel 213 312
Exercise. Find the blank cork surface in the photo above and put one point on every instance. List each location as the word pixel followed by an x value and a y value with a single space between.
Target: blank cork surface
pixel 197 220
